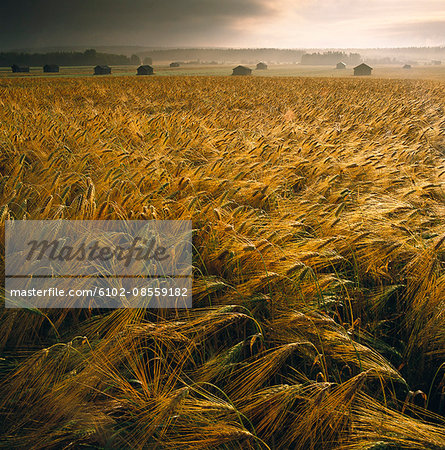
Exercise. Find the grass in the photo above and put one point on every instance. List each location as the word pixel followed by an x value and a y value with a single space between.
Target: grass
pixel 318 209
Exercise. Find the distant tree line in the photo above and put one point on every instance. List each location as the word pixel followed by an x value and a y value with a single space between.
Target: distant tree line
pixel 330 58
pixel 220 55
pixel 385 60
pixel 86 58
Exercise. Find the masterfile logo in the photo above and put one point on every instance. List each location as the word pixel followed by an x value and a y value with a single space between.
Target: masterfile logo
pixel 104 264
pixel 56 250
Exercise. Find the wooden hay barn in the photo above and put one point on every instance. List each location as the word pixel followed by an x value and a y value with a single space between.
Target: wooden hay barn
pixel 102 70
pixel 19 69
pixel 145 70
pixel 51 68
pixel 341 66
pixel 174 64
pixel 261 66
pixel 363 70
pixel 241 70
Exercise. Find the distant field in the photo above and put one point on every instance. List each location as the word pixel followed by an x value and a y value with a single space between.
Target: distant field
pixel 386 71
pixel 318 208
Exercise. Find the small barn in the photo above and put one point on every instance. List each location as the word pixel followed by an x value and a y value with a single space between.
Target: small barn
pixel 174 64
pixel 51 68
pixel 241 70
pixel 16 69
pixel 102 70
pixel 145 70
pixel 341 66
pixel 407 66
pixel 362 70
pixel 261 66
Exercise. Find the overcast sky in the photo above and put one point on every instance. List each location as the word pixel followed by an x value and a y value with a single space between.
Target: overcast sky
pixel 223 23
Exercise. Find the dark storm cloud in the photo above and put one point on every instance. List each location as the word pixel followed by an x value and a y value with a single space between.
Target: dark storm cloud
pixel 139 22
pixel 244 23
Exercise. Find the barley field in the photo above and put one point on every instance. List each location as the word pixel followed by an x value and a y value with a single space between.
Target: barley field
pixel 318 210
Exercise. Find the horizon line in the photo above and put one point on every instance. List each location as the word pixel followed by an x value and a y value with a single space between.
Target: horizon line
pixel 156 48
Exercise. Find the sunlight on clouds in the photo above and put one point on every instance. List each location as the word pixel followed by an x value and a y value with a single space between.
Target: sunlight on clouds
pixel 222 23
pixel 343 23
